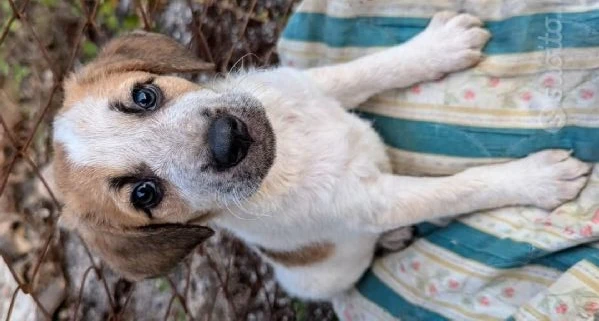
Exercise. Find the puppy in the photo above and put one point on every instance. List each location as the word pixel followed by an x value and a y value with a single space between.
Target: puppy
pixel 144 159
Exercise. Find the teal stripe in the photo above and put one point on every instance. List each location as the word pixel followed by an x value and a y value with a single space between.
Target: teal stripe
pixel 594 259
pixel 503 253
pixel 379 293
pixel 478 142
pixel 484 248
pixel 426 228
pixel 567 258
pixel 513 35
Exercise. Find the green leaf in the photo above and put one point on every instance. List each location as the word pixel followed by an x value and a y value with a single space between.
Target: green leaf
pixel 162 285
pixel 5 8
pixel 16 25
pixel 112 22
pixel 180 316
pixel 20 72
pixel 300 308
pixel 4 68
pixel 106 8
pixel 131 22
pixel 49 3
pixel 90 50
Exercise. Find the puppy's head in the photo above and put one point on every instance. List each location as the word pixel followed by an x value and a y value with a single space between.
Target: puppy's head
pixel 139 153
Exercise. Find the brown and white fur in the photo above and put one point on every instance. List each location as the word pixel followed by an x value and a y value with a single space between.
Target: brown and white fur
pixel 314 192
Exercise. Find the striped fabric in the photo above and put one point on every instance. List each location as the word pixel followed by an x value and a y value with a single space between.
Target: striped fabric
pixel 537 89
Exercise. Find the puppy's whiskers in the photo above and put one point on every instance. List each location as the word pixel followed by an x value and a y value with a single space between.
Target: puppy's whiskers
pixel 225 204
pixel 270 207
pixel 263 214
pixel 238 61
pixel 238 201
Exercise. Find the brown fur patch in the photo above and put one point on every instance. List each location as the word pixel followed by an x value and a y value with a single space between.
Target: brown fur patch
pixel 132 244
pixel 89 199
pixel 134 54
pixel 142 51
pixel 85 193
pixel 305 255
pixel 147 251
pixel 118 86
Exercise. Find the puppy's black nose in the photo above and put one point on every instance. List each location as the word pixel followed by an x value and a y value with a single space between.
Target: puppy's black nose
pixel 229 141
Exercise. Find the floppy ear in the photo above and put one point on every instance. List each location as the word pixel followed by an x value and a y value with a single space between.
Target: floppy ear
pixel 146 251
pixel 144 51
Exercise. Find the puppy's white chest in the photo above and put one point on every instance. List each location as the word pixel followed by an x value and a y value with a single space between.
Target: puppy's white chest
pixel 322 154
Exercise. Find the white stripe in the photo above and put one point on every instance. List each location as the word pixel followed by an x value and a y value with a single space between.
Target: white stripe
pixel 474 283
pixel 530 119
pixel 422 300
pixel 304 54
pixel 534 271
pixel 486 9
pixel 520 227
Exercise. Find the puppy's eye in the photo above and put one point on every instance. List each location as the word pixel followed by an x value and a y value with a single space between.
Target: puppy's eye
pixel 146 195
pixel 146 96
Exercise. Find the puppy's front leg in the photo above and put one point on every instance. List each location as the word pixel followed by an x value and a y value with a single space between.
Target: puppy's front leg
pixel 451 42
pixel 545 179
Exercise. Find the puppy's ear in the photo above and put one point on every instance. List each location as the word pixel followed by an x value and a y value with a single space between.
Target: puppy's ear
pixel 144 51
pixel 147 251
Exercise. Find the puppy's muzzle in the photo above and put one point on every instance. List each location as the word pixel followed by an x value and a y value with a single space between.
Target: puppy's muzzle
pixel 229 141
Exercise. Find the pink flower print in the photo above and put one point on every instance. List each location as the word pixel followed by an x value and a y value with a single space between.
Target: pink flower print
pixel 596 217
pixel 494 82
pixel 416 89
pixel 569 230
pixel 549 82
pixel 526 96
pixel 508 292
pixel 483 300
pixel 587 94
pixel 586 231
pixel 432 289
pixel 469 94
pixel 561 308
pixel 591 307
pixel 453 284
pixel 415 265
pixel 347 312
pixel 547 223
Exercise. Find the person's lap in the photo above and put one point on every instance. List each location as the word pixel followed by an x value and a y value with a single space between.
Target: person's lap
pixel 537 89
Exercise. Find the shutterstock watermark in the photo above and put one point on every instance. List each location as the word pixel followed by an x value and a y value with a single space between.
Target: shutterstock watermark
pixel 553 116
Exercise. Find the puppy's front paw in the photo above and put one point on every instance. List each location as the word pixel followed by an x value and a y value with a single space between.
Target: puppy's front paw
pixel 549 178
pixel 452 42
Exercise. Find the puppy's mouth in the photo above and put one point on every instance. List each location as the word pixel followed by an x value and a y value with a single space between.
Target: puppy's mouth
pixel 229 141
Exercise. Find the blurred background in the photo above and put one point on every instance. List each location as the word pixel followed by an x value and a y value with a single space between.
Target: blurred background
pixel 48 274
